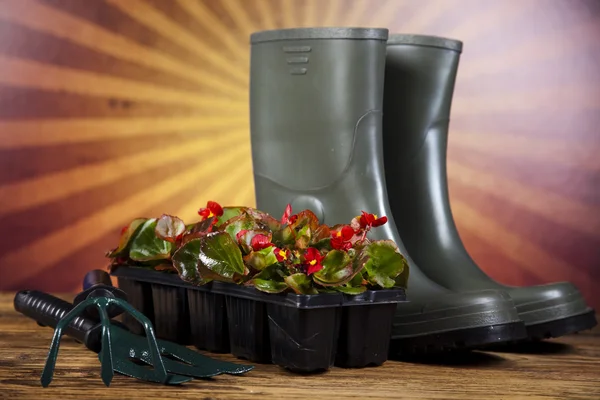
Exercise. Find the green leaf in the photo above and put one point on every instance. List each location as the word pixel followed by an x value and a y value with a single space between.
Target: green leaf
pixel 354 286
pixel 185 261
pixel 169 228
pixel 284 237
pixel 228 213
pixel 300 283
pixel 338 269
pixel 303 237
pixel 269 280
pixel 402 279
pixel 324 289
pixel 383 263
pixel 126 237
pixel 274 272
pixel 146 246
pixel 261 259
pixel 351 289
pixel 220 254
pixel 237 224
pixel 323 244
pixel 357 280
pixel 269 286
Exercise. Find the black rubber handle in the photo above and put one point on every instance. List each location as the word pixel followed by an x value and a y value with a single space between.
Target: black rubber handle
pixel 96 277
pixel 97 283
pixel 47 310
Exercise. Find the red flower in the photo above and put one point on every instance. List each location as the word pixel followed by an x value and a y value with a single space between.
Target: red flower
pixel 282 254
pixel 260 242
pixel 287 218
pixel 370 220
pixel 340 238
pixel 345 233
pixel 240 234
pixel 313 259
pixel 212 209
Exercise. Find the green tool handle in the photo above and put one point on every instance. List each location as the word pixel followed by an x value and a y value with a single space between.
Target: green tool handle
pixel 47 310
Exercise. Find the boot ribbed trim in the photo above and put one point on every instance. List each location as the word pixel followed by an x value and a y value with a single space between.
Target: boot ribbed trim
pixel 424 40
pixel 320 33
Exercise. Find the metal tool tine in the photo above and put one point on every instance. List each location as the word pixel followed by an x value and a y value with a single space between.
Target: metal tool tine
pixel 196 359
pixel 176 358
pixel 106 350
pixel 48 371
pixel 125 366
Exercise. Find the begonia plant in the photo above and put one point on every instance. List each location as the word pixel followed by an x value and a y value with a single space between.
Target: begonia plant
pixel 245 246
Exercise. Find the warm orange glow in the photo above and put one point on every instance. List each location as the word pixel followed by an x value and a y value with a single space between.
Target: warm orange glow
pixel 91 107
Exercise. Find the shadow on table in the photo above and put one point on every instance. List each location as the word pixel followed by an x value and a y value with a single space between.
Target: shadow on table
pixel 541 348
pixel 466 359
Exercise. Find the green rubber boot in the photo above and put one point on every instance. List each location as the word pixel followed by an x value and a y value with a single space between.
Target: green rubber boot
pixel 419 85
pixel 316 96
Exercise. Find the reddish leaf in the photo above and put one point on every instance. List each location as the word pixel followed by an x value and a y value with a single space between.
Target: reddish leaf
pixel 263 220
pixel 169 228
pixel 165 267
pixel 300 283
pixel 240 223
pixel 228 213
pixel 303 237
pixel 355 223
pixel 286 214
pixel 306 217
pixel 322 232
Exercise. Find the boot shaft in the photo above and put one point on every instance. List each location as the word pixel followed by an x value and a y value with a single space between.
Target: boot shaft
pixel 420 75
pixel 309 90
pixel 316 128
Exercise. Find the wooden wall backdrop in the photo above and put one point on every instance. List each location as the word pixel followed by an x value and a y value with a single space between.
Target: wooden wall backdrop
pixel 113 109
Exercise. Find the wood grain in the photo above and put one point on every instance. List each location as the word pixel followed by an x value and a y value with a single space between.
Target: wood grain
pixel 563 368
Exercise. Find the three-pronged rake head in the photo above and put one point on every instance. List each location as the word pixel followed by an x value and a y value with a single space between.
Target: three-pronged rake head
pixel 112 335
pixel 119 350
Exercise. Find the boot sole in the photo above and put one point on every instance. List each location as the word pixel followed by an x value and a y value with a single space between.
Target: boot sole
pixel 561 327
pixel 460 339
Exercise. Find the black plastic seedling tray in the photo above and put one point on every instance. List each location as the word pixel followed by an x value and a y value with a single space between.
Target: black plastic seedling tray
pixel 303 333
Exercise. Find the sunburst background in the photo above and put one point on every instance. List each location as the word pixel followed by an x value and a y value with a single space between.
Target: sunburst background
pixel 115 109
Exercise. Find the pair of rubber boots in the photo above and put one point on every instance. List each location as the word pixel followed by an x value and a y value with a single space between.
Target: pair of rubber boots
pixel 351 119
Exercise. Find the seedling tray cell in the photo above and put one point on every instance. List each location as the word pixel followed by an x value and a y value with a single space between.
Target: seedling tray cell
pixel 302 333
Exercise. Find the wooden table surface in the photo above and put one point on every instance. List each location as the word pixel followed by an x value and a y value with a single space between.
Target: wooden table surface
pixel 563 368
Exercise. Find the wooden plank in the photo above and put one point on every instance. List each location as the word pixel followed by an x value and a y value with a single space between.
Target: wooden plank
pixel 563 368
